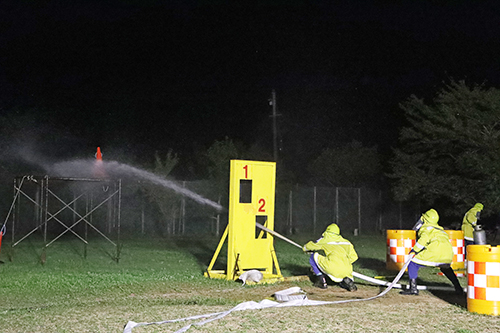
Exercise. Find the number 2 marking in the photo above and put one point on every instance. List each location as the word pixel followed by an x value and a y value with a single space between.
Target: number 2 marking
pixel 262 203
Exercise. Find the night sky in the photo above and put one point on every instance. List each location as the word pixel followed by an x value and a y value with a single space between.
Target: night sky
pixel 154 75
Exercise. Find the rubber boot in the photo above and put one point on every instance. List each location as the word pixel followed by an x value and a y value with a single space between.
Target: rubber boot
pixel 450 274
pixel 348 284
pixel 412 290
pixel 321 282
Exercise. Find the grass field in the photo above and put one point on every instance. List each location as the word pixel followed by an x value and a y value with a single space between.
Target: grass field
pixel 162 279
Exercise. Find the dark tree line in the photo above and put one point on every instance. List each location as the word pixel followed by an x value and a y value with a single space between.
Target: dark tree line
pixel 449 151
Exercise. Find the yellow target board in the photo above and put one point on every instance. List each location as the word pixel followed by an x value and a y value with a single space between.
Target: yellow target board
pixel 251 200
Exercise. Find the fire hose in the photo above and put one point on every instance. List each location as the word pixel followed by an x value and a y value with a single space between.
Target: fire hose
pixel 392 284
pixel 358 275
pixel 251 305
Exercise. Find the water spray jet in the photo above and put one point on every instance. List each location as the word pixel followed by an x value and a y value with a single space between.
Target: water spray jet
pixel 86 168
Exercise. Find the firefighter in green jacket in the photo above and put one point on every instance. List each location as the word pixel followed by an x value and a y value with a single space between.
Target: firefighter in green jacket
pixel 337 261
pixel 433 248
pixel 469 223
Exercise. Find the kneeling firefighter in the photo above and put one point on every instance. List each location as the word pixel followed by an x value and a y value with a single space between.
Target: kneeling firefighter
pixel 337 261
pixel 433 248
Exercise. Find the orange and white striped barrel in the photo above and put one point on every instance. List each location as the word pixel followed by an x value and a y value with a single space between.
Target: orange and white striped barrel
pixel 399 245
pixel 457 241
pixel 483 275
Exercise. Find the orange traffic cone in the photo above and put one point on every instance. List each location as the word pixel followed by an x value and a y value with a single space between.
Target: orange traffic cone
pixel 98 155
pixel 99 167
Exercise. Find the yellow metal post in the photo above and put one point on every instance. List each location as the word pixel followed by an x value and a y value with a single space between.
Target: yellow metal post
pixel 219 247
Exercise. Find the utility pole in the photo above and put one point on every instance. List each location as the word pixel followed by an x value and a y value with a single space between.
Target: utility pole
pixel 275 131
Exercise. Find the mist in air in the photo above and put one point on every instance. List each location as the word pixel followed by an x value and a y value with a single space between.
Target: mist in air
pixel 23 154
pixel 113 169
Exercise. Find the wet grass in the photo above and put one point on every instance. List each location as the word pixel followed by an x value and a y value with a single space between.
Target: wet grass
pixel 160 279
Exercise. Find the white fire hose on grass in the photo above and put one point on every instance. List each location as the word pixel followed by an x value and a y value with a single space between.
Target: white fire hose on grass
pixel 302 301
pixel 392 284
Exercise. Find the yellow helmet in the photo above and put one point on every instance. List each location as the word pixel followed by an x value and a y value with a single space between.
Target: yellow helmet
pixel 430 216
pixel 479 206
pixel 333 228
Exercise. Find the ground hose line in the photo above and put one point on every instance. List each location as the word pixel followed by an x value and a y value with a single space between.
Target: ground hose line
pixel 251 305
pixel 392 284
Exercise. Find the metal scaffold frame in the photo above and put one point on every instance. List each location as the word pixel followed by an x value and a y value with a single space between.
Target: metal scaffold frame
pixel 66 203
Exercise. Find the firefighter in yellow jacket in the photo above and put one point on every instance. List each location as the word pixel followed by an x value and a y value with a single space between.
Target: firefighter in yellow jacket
pixel 337 261
pixel 469 223
pixel 433 248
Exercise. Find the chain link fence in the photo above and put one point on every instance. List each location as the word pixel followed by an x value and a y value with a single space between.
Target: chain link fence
pixel 355 210
pixel 302 209
pixel 299 210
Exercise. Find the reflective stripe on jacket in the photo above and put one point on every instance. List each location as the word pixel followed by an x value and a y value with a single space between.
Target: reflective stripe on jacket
pixel 338 258
pixel 433 246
